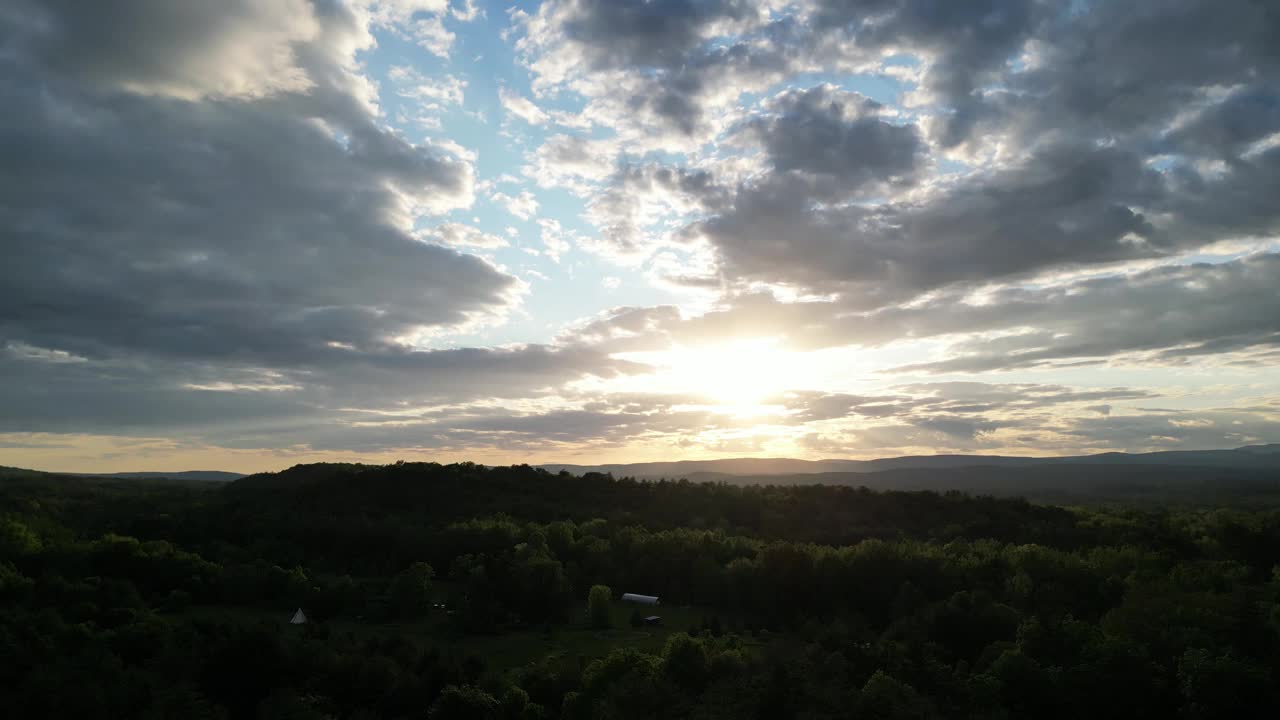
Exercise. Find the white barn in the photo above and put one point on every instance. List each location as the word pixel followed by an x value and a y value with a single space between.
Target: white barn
pixel 640 599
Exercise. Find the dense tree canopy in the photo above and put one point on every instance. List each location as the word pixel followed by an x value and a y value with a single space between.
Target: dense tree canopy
pixel 156 599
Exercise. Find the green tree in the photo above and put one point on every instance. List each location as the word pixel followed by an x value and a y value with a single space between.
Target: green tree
pixel 884 698
pixel 464 702
pixel 410 590
pixel 514 702
pixel 1222 686
pixel 13 584
pixel 685 661
pixel 599 601
pixel 16 539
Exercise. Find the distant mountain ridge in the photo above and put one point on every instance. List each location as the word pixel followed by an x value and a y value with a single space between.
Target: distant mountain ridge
pixel 188 475
pixel 200 475
pixel 1247 457
pixel 900 471
pixel 1059 484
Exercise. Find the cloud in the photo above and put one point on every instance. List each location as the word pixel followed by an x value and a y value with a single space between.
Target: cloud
pixel 224 229
pixel 211 230
pixel 185 259
pixel 188 50
pixel 431 91
pixel 466 11
pixel 400 11
pixel 838 138
pixel 639 198
pixel 1162 316
pixel 523 205
pixel 1063 205
pixel 572 161
pixel 521 107
pixel 193 398
pixel 431 35
pixel 1165 315
pixel 949 400
pixel 459 235
pixel 963 47
pixel 653 71
pixel 1023 418
pixel 555 239
pixel 1097 134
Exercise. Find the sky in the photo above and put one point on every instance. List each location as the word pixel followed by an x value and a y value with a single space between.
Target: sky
pixel 253 233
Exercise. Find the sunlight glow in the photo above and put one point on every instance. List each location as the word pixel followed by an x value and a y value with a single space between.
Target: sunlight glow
pixel 742 374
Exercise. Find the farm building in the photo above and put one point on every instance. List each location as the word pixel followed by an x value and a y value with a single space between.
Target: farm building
pixel 640 599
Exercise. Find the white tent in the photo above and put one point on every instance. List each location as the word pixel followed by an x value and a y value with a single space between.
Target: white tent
pixel 641 599
pixel 299 618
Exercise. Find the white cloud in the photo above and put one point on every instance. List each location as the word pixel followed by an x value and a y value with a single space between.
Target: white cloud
pixel 431 34
pixel 400 11
pixel 459 235
pixel 432 91
pixel 523 205
pixel 519 106
pixel 555 239
pixel 466 11
pixel 242 49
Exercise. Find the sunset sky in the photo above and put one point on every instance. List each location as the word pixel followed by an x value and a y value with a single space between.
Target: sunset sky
pixel 244 234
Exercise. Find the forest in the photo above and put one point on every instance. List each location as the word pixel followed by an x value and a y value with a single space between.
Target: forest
pixel 463 591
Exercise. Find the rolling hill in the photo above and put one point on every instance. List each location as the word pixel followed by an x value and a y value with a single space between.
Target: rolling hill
pixel 1258 457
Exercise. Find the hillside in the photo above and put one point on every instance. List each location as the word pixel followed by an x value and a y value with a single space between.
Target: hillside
pixel 495 593
pixel 192 475
pixel 1253 456
pixel 1067 483
pixel 185 475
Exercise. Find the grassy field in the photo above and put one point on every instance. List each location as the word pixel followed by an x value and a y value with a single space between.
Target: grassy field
pixel 506 650
pixel 578 639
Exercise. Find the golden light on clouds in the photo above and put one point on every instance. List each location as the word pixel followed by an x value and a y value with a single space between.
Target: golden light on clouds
pixel 739 373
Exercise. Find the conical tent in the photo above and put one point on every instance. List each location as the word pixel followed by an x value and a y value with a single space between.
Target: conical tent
pixel 299 617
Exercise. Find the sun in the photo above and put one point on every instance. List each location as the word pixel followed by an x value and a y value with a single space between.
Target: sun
pixel 741 373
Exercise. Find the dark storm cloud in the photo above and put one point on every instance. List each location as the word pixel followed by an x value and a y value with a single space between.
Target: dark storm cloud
pixel 1105 132
pixel 1211 428
pixel 638 194
pixel 815 406
pixel 207 231
pixel 1176 312
pixel 153 395
pixel 1027 68
pixel 1134 432
pixel 965 44
pixel 127 398
pixel 648 33
pixel 147 224
pixel 974 416
pixel 934 401
pixel 1227 129
pixel 181 47
pixel 837 136
pixel 1066 204
pixel 669 56
pixel 603 423
pixel 1124 70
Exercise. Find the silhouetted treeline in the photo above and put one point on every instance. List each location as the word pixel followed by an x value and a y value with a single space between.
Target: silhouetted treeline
pixel 424 494
pixel 819 602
